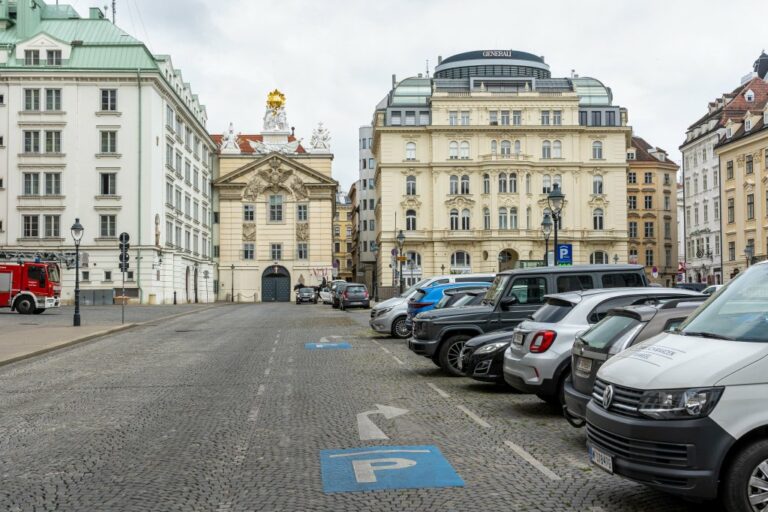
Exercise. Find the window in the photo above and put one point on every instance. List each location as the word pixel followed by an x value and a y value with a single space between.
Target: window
pixel 545 117
pixel 275 208
pixel 668 230
pixel 410 220
pixel 460 260
pixel 527 183
pixel 108 226
pixel 717 245
pixel 52 225
pixel 465 217
pixel 648 202
pixel 109 142
pixel 337 247
pixel 649 258
pixel 486 184
pixel 454 220
pixel 557 117
pixel 410 151
pixel 349 231
pixel 302 251
pixel 168 193
pixel 170 115
pixel 502 183
pixel 53 142
pixel 53 57
pixel 731 211
pixel 705 209
pixel 632 229
pixel 750 206
pixel 513 218
pixel 749 166
pixel 648 178
pixel 649 230
pixel 597 118
pixel 557 149
pixel 503 218
pixel 597 185
pixel 513 183
pixel 453 150
pixel 424 118
pixel 493 147
pixel 731 251
pixel 371 224
pixel 597 150
pixel 31 184
pixel 109 100
pixel 177 202
pixel 546 181
pixel 53 184
pixel 632 177
pixel 465 184
pixel 505 117
pixel 597 219
pixel 493 117
pixel 249 251
pixel 668 181
pixel 506 148
pixel 53 100
pixel 276 251
pixel 453 118
pixel 188 172
pixel 465 117
pixel 716 208
pixel 31 226
pixel 410 118
pixel 249 213
pixel 610 118
pixel 583 116
pixel 31 57
pixel 464 150
pixel 546 149
pixel 302 212
pixel 31 142
pixel 598 258
pixel 729 170
pixel 517 117
pixel 574 283
pixel 486 218
pixel 529 290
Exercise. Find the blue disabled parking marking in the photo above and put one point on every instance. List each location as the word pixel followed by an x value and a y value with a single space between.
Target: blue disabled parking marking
pixel 386 467
pixel 327 346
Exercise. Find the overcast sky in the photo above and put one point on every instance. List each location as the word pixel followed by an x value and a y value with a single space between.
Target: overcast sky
pixel 664 60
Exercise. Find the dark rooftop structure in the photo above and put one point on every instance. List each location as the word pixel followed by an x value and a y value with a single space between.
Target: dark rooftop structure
pixel 492 63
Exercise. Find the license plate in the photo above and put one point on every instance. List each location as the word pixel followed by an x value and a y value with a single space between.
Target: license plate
pixel 519 338
pixel 584 365
pixel 601 459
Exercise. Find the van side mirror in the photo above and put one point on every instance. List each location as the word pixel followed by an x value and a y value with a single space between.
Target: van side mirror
pixel 508 302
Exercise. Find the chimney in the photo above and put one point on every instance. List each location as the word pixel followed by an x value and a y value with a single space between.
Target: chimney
pixel 439 59
pixel 28 14
pixel 96 14
pixel 394 80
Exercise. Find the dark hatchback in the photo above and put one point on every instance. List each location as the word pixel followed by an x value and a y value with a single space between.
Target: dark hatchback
pixel 482 357
pixel 306 295
pixel 619 330
pixel 354 295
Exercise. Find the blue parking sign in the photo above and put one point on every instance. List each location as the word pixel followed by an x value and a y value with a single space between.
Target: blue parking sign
pixel 565 254
pixel 386 467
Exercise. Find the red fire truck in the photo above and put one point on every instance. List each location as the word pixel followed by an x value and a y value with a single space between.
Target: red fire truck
pixel 30 288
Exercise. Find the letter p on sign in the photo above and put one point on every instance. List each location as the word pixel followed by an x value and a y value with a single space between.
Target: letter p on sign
pixel 365 470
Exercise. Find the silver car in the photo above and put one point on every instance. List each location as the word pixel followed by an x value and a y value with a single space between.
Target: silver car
pixel 539 358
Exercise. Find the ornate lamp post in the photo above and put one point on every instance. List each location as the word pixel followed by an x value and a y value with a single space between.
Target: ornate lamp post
pixel 546 229
pixel 77 235
pixel 555 199
pixel 400 243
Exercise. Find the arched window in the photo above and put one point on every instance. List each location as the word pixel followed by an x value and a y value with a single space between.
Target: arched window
pixel 413 257
pixel 454 220
pixel 546 181
pixel 506 148
pixel 464 150
pixel 502 183
pixel 410 186
pixel 494 147
pixel 513 218
pixel 597 185
pixel 460 261
pixel 528 218
pixel 410 151
pixel 486 218
pixel 517 147
pixel 486 184
pixel 598 258
pixel 453 150
pixel 465 184
pixel 513 183
pixel 557 149
pixel 558 180
pixel 454 188
pixel 597 219
pixel 410 220
pixel 465 219
pixel 503 218
pixel 597 150
pixel 546 149
pixel 527 183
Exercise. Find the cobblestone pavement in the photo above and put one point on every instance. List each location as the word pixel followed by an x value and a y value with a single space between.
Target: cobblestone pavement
pixel 226 411
pixel 101 315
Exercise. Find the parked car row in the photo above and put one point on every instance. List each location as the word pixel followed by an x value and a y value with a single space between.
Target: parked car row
pixel 671 384
pixel 343 295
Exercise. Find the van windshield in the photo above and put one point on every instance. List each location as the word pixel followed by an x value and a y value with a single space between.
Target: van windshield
pixel 739 312
pixel 413 288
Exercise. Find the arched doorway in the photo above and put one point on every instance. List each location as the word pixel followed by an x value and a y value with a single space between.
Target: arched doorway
pixel 508 259
pixel 186 286
pixel 196 285
pixel 276 284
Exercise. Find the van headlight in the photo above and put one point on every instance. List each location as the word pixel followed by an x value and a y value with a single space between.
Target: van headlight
pixel 492 347
pixel 679 404
pixel 383 311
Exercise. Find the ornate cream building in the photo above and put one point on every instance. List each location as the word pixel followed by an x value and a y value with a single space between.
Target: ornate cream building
pixel 276 200
pixel 465 161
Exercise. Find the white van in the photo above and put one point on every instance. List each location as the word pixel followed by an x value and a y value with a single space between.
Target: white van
pixel 687 411
pixel 389 317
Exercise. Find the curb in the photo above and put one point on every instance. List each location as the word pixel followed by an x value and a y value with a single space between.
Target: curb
pixel 99 334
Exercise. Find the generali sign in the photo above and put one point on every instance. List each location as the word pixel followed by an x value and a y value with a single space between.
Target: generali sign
pixel 497 53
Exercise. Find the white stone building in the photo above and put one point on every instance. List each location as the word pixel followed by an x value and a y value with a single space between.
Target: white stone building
pixel 94 126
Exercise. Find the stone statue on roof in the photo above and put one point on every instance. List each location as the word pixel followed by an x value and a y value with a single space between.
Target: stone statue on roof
pixel 321 139
pixel 229 141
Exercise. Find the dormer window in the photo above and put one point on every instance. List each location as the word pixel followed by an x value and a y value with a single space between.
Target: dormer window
pixel 749 96
pixel 31 57
pixel 728 132
pixel 54 57
pixel 747 125
pixel 631 155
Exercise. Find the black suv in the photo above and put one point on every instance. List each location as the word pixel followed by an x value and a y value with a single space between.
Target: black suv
pixel 514 296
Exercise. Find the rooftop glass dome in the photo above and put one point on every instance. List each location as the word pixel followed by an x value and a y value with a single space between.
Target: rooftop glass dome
pixel 492 63
pixel 412 92
pixel 592 91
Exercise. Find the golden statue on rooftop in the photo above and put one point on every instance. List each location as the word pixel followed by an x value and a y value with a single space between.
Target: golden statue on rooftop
pixel 275 100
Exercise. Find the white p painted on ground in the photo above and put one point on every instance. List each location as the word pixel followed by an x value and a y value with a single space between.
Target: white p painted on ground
pixel 365 470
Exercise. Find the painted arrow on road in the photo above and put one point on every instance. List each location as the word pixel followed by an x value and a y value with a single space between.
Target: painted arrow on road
pixel 368 429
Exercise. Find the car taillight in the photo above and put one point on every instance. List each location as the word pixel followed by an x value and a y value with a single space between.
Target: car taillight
pixel 346 295
pixel 365 294
pixel 541 341
pixel 417 305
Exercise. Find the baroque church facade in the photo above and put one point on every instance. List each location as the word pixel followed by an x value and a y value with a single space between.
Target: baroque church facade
pixel 276 200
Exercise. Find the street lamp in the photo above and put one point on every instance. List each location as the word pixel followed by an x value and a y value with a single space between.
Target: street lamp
pixel 555 199
pixel 615 259
pixel 233 281
pixel 400 243
pixel 749 251
pixel 442 270
pixel 77 235
pixel 546 229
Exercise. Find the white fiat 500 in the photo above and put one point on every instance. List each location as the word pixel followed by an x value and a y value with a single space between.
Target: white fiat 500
pixel 687 411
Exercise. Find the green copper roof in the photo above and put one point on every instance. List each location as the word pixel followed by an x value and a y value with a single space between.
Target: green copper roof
pixel 86 30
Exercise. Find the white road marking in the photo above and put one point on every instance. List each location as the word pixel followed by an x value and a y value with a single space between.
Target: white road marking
pixel 532 460
pixel 271 360
pixel 398 361
pixel 290 360
pixel 266 372
pixel 261 389
pixel 253 414
pixel 376 342
pixel 477 419
pixel 368 429
pixel 438 390
pixel 276 341
pixel 386 350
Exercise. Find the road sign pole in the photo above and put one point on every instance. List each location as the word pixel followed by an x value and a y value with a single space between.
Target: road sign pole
pixel 122 313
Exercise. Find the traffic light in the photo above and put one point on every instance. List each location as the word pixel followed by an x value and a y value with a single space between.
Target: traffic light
pixel 124 256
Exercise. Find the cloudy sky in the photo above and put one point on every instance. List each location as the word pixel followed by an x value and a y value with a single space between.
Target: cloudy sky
pixel 664 60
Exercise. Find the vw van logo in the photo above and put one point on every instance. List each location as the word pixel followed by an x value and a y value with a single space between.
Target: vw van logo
pixel 607 396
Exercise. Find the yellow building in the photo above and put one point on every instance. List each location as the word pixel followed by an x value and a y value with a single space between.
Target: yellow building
pixel 465 162
pixel 652 217
pixel 276 200
pixel 343 238
pixel 743 155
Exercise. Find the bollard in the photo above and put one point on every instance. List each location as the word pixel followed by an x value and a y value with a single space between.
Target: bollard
pixel 174 298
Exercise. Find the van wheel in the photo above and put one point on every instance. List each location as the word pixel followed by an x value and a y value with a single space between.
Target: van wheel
pixel 450 352
pixel 25 305
pixel 747 478
pixel 399 329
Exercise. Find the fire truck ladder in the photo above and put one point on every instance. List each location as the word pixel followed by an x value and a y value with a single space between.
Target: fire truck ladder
pixel 65 258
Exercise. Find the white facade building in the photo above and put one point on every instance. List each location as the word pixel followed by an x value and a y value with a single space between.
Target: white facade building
pixel 98 128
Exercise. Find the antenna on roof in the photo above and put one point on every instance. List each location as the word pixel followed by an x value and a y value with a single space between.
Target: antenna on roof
pixel 427 75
